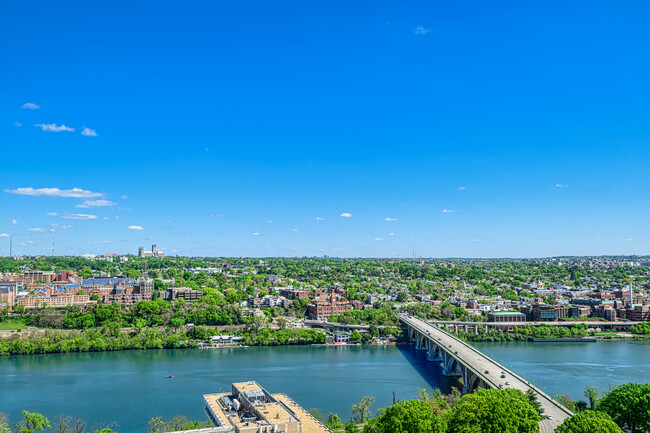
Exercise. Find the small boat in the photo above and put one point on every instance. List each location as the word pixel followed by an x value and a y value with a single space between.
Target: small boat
pixel 168 377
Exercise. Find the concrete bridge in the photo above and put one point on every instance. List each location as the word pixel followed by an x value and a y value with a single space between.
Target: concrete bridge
pixel 476 369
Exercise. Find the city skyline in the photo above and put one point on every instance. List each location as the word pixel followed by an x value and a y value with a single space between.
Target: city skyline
pixel 366 130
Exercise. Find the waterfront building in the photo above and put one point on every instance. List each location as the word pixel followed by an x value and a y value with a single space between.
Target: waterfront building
pixel 249 408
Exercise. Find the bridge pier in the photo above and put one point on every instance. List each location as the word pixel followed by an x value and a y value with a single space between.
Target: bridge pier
pixel 433 354
pixel 450 366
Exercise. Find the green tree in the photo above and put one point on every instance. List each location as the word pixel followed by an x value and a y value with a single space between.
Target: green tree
pixel 410 416
pixel 355 336
pixel 32 422
pixel 494 411
pixel 317 413
pixel 592 394
pixel 333 422
pixel 629 406
pixel 589 422
pixel 4 423
pixel 361 411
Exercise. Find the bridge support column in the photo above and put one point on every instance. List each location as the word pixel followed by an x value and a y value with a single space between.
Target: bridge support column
pixel 421 342
pixel 450 366
pixel 433 354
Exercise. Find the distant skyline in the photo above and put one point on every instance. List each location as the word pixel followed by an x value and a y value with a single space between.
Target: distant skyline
pixel 372 129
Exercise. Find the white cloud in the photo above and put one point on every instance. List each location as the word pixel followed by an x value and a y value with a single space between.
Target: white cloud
pixel 88 132
pixel 36 230
pixel 390 219
pixel 449 211
pixel 462 188
pixel 30 106
pixel 96 203
pixel 78 216
pixel 124 197
pixel 319 219
pixel 52 214
pixel 346 215
pixel 54 192
pixel 62 226
pixel 135 228
pixel 255 234
pixel 477 240
pixel 53 127
pixel 269 221
pixel 13 222
pixel 559 185
pixel 378 239
pixel 628 239
pixel 391 234
pixel 106 218
pixel 4 235
pixel 294 230
pixel 419 30
pixel 542 234
pixel 18 124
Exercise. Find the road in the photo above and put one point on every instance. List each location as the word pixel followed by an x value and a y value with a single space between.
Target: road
pixel 490 371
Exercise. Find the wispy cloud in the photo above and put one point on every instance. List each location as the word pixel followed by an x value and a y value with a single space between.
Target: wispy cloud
pixel 295 230
pixel 95 203
pixel 18 124
pixel 36 230
pixel 124 197
pixel 319 219
pixel 88 132
pixel 217 215
pixel 4 235
pixel 462 188
pixel 78 216
pixel 13 222
pixel 449 211
pixel 477 240
pixel 346 215
pixel 419 30
pixel 391 234
pixel 61 226
pixel 135 228
pixel 54 192
pixel 30 106
pixel 559 185
pixel 53 127
pixel 390 219
pixel 378 239
pixel 255 234
pixel 628 239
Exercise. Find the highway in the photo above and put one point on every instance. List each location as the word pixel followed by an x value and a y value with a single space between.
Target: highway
pixel 490 371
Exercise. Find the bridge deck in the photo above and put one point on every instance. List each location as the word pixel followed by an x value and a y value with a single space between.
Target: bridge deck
pixel 489 370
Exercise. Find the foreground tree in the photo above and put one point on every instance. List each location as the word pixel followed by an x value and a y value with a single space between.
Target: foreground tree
pixel 494 411
pixel 589 422
pixel 33 422
pixel 408 417
pixel 629 406
pixel 362 410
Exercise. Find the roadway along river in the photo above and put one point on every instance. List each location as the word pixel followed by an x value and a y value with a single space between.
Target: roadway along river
pixel 130 387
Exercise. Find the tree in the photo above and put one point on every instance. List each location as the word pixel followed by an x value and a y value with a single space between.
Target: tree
pixel 4 423
pixel 494 411
pixel 317 413
pixel 333 422
pixel 410 416
pixel 531 395
pixel 629 406
pixel 355 336
pixel 351 428
pixel 361 410
pixel 156 424
pixel 589 422
pixel 592 394
pixel 566 401
pixel 32 422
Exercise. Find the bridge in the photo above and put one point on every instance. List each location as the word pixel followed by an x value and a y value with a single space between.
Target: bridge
pixel 476 369
pixel 509 326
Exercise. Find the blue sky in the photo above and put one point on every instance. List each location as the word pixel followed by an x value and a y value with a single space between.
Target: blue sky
pixel 467 129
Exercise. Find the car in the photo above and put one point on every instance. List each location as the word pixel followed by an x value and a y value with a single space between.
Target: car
pixel 487 371
pixel 500 386
pixel 549 417
pixel 450 345
pixel 503 372
pixel 503 376
pixel 507 383
pixel 456 352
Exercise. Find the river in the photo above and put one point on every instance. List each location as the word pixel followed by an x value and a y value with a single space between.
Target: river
pixel 130 387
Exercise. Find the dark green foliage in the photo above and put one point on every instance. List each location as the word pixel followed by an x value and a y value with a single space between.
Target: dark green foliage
pixel 629 406
pixel 493 411
pixel 408 417
pixel 589 422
